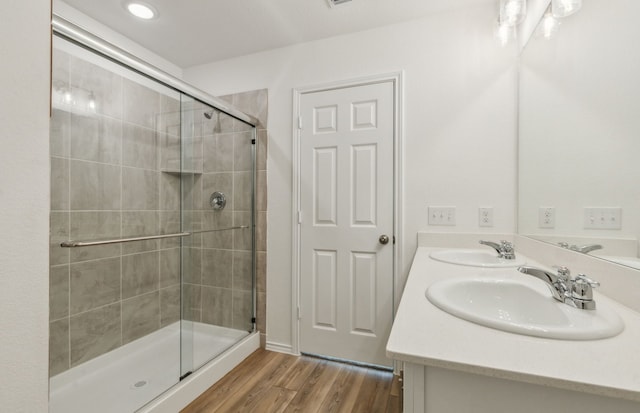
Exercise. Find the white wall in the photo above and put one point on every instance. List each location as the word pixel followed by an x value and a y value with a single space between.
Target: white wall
pixel 579 122
pixel 24 200
pixel 459 124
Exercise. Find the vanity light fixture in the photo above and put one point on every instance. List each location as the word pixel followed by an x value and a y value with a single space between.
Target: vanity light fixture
pixel 141 10
pixel 564 8
pixel 512 12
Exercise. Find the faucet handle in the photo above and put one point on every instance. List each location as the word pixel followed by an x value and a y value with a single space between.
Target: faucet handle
pixel 506 250
pixel 506 245
pixel 583 279
pixel 563 272
pixel 582 287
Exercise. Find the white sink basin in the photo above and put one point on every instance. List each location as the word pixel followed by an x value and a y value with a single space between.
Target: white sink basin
pixel 516 307
pixel 475 258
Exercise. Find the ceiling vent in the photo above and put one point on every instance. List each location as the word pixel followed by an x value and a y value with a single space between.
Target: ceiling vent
pixel 334 3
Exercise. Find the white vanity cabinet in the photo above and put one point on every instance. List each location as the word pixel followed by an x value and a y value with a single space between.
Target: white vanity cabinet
pixel 437 390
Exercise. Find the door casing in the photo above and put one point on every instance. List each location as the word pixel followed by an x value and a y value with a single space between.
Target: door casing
pixel 396 78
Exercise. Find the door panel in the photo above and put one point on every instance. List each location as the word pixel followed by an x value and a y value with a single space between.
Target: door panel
pixel 346 201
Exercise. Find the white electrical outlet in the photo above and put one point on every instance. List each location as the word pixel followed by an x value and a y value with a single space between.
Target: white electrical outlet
pixel 603 218
pixel 442 215
pixel 485 216
pixel 546 217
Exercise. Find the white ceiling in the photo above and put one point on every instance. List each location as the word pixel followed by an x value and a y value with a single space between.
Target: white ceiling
pixel 192 32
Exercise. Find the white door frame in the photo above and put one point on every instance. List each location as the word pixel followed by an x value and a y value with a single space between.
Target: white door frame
pixel 396 78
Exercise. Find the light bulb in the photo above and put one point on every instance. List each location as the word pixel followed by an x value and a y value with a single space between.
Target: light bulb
pixel 549 25
pixel 504 33
pixel 512 12
pixel 564 8
pixel 141 10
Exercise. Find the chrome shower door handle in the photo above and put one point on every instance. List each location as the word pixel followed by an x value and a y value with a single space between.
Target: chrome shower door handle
pixel 384 239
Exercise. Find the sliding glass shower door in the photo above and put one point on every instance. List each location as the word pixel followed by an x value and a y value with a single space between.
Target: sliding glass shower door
pixel 218 259
pixel 115 303
pixel 151 234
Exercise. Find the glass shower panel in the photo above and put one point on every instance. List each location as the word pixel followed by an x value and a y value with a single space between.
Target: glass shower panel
pixel 218 258
pixel 115 308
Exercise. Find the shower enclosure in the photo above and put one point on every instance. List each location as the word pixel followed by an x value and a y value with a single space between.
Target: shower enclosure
pixel 152 229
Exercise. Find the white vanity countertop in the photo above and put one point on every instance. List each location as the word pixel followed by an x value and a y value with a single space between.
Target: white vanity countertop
pixel 424 334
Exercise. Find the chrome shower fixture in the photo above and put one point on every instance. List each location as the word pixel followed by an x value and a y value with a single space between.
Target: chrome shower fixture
pixel 218 200
pixel 209 114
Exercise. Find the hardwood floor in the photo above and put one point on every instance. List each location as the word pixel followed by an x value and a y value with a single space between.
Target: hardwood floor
pixel 269 382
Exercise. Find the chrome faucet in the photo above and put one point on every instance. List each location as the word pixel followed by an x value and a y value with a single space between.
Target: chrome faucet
pixel 504 249
pixel 585 249
pixel 577 292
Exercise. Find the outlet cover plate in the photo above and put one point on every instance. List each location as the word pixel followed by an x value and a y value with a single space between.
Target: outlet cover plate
pixel 546 217
pixel 485 216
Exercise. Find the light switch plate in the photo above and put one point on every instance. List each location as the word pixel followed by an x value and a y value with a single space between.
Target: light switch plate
pixel 442 215
pixel 603 218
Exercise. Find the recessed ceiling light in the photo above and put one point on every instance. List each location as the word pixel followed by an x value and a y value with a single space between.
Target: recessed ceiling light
pixel 141 10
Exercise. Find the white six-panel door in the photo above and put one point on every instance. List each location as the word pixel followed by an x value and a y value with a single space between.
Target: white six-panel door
pixel 346 202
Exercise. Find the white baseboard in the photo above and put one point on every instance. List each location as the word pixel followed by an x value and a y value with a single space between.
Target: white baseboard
pixel 280 348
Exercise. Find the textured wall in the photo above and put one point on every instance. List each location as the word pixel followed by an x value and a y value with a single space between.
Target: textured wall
pixel 24 200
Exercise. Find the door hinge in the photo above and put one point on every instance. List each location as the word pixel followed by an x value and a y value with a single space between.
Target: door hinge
pixel 299 122
pixel 394 240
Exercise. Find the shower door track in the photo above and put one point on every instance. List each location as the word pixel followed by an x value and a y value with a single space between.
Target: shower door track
pixel 76 244
pixel 76 34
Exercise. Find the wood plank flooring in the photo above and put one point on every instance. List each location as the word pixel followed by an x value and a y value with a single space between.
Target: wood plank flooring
pixel 269 382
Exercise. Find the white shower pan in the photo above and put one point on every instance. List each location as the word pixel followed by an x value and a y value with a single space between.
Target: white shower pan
pixel 127 378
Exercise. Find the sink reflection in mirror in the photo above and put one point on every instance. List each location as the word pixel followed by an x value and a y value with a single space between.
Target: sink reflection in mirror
pixel 579 101
pixel 521 307
pixel 475 258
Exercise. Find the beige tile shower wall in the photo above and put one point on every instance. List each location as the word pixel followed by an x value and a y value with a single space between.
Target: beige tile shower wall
pixel 106 182
pixel 219 276
pixel 218 270
pixel 256 103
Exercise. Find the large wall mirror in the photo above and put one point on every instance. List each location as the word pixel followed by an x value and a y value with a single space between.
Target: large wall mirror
pixel 579 133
